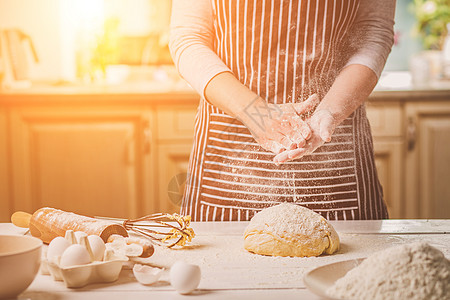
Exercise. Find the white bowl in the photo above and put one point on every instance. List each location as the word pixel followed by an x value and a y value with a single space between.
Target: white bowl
pixel 20 258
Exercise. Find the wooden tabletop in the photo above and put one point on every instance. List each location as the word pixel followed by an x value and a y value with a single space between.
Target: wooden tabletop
pixel 228 271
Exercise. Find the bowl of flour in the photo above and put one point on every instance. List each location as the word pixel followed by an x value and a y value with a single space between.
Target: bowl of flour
pixel 415 271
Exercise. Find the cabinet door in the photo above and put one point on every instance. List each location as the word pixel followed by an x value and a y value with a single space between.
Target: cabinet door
pixel 5 211
pixel 428 160
pixel 388 159
pixel 89 160
pixel 175 124
pixel 173 164
pixel 175 130
pixel 386 122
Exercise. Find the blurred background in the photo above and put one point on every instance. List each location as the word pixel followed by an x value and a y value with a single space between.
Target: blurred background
pixel 95 119
pixel 80 40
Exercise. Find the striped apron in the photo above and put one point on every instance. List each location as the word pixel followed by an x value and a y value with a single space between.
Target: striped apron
pixel 285 51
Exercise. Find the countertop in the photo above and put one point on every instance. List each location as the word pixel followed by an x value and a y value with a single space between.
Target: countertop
pixel 170 88
pixel 230 272
pixel 140 92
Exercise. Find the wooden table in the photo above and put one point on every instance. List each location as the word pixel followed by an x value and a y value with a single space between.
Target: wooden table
pixel 230 272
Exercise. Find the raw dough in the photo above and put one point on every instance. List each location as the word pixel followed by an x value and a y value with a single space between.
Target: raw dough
pixel 290 230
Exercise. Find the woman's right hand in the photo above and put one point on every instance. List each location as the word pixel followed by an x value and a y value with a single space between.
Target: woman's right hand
pixel 279 127
pixel 276 127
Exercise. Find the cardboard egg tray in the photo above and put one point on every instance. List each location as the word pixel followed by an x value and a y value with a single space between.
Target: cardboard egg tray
pixel 107 270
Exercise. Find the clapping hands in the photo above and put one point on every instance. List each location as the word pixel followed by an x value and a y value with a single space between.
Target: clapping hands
pixel 322 125
pixel 291 130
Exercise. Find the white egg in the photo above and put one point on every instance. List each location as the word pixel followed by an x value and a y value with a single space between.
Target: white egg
pixel 74 255
pixel 184 277
pixel 146 274
pixel 56 248
pixel 97 246
pixel 79 235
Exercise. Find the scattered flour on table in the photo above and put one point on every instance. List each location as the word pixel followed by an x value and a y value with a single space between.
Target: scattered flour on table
pixel 411 271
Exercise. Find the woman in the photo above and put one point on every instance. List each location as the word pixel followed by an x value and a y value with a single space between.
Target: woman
pixel 281 118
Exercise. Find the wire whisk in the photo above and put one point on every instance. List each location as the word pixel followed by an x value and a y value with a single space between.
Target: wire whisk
pixel 164 229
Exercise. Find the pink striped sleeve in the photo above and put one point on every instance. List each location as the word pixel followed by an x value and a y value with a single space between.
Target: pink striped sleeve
pixel 374 34
pixel 191 43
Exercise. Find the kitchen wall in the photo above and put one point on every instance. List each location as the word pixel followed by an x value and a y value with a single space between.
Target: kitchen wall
pixel 41 20
pixel 406 43
pixel 52 24
pixel 59 27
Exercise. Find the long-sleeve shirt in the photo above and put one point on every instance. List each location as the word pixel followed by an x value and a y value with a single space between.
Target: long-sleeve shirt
pixel 284 51
pixel 192 35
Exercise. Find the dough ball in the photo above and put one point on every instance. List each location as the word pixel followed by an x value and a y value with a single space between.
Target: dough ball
pixel 290 230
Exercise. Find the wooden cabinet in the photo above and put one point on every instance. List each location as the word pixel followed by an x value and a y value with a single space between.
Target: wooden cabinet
pixel 5 200
pixel 175 137
pixel 427 161
pixel 118 155
pixel 412 153
pixel 388 160
pixel 87 159
pixel 386 121
pixel 173 164
pixel 127 155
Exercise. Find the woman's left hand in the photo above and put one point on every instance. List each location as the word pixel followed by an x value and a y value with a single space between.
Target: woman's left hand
pixel 322 124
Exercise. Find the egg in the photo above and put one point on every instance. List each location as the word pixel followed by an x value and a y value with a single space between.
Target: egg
pixel 74 255
pixel 146 274
pixel 97 246
pixel 184 277
pixel 56 248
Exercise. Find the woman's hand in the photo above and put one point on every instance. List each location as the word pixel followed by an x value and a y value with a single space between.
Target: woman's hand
pixel 322 125
pixel 279 127
pixel 353 85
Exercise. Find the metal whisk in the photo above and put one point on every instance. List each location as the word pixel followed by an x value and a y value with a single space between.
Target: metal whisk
pixel 158 229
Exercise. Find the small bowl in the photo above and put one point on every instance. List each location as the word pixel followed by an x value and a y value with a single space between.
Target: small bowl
pixel 20 258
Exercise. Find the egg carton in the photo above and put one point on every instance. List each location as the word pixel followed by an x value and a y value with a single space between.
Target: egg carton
pixel 82 275
pixel 105 271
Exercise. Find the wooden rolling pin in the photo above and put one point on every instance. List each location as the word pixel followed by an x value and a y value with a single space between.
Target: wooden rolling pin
pixel 47 223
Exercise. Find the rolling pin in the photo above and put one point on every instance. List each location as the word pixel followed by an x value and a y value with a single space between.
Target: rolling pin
pixel 47 223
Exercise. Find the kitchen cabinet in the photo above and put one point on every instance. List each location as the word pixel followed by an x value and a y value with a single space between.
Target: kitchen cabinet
pixel 388 160
pixel 94 153
pixel 427 161
pixel 175 130
pixel 386 121
pixel 5 203
pixel 94 160
pixel 173 164
pixel 126 154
